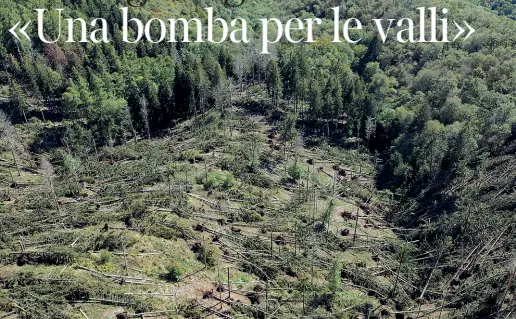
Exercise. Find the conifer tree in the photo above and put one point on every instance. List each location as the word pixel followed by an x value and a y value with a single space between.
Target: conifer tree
pixel 273 82
pixel 18 100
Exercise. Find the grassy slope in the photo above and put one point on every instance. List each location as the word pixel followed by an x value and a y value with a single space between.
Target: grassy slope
pixel 114 184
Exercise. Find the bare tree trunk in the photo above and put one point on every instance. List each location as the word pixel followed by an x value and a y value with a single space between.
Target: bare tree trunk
pixel 509 284
pixel 145 115
pixel 356 225
pixel 395 286
pixel 15 162
pixel 24 115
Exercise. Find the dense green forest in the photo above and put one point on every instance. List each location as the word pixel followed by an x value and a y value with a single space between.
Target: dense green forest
pixel 428 132
pixel 506 7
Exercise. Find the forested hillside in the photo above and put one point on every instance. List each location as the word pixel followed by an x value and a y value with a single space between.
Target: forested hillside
pixel 502 7
pixel 369 180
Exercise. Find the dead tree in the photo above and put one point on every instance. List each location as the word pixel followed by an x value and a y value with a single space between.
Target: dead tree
pixel 127 124
pixel 144 111
pixel 49 172
pixel 240 66
pixel 402 257
pixel 8 134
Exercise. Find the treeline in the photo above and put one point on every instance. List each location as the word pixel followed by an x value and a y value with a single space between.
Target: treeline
pixel 501 7
pixel 116 89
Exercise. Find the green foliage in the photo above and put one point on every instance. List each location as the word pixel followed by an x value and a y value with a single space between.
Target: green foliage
pixel 208 254
pixel 104 257
pixel 295 171
pixel 174 272
pixel 18 100
pixel 334 278
pixel 138 209
pixel 113 241
pixel 217 180
pixel 273 82
pixel 251 216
